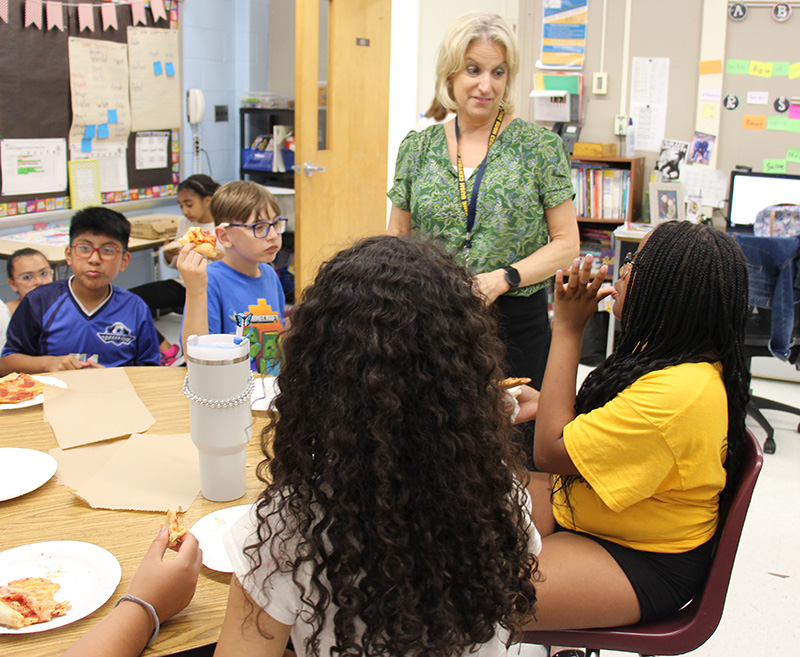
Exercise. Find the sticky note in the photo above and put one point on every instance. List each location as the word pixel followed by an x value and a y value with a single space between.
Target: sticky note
pixel 757 97
pixel 88 132
pixel 754 122
pixel 86 145
pixel 793 125
pixel 793 155
pixel 737 66
pixel 794 111
pixel 708 110
pixel 171 69
pixel 774 166
pixel 780 69
pixel 794 70
pixel 102 131
pixel 112 116
pixel 157 69
pixel 761 69
pixel 711 66
pixel 777 122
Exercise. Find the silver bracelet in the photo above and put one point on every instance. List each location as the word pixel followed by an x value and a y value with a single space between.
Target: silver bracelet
pixel 148 607
pixel 218 403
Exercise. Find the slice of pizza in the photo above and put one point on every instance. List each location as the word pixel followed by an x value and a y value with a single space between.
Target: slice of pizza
pixel 176 530
pixel 514 381
pixel 30 600
pixel 19 387
pixel 204 242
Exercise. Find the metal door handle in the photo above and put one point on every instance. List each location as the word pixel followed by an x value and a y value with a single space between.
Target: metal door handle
pixel 309 168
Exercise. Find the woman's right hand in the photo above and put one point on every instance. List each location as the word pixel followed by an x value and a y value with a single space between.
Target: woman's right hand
pixel 168 585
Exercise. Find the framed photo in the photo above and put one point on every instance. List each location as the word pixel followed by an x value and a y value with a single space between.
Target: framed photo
pixel 667 202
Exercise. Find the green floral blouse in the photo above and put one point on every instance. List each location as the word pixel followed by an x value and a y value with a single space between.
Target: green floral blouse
pixel 527 171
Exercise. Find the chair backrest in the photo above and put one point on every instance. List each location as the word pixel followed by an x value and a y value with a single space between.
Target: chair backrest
pixel 692 626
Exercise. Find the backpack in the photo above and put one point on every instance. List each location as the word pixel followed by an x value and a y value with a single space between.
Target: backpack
pixel 781 220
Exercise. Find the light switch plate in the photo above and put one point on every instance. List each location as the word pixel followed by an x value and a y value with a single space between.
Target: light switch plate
pixel 600 84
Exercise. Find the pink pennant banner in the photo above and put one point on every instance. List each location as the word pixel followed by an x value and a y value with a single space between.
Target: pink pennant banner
pixel 85 17
pixel 138 14
pixel 4 10
pixel 109 15
pixel 55 15
pixel 33 13
pixel 157 7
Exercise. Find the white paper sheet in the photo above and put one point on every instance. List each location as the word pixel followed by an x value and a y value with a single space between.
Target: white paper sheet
pixel 151 150
pixel 648 106
pixel 33 166
pixel 552 108
pixel 155 78
pixel 711 185
pixel 112 159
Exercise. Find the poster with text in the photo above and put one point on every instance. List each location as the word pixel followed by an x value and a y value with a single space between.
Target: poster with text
pixel 563 34
pixel 155 78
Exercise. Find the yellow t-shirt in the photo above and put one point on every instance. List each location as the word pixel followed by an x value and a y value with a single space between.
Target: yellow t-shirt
pixel 653 458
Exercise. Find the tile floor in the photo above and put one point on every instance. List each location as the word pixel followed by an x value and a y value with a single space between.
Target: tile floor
pixel 762 611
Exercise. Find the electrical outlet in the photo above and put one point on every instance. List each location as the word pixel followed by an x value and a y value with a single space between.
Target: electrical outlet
pixel 620 125
pixel 220 113
pixel 600 84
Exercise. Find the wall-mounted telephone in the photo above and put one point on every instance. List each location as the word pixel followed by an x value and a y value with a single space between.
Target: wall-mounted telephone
pixel 195 106
pixel 569 132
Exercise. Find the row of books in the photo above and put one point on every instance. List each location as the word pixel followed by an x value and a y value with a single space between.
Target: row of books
pixel 597 242
pixel 601 192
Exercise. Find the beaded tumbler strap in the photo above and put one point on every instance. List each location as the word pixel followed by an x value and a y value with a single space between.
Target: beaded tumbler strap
pixel 218 403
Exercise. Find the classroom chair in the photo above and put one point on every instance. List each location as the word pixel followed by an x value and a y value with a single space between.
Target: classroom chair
pixel 756 343
pixel 692 626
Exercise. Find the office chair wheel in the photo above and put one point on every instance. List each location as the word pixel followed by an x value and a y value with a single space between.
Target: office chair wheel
pixel 769 444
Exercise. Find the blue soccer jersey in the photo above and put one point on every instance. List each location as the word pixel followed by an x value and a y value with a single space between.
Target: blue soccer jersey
pixel 50 321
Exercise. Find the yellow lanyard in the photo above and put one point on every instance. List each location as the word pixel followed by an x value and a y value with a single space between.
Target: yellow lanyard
pixel 469 208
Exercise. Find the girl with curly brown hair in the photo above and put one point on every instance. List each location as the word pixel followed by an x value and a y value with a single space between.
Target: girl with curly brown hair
pixel 395 520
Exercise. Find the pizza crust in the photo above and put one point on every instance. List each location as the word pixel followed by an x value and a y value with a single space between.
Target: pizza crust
pixel 176 530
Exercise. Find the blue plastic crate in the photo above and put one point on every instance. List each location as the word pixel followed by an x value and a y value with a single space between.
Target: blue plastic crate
pixel 256 160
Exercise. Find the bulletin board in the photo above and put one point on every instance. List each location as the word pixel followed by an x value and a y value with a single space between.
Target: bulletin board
pixel 36 102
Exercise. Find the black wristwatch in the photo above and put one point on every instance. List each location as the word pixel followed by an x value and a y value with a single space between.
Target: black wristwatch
pixel 512 277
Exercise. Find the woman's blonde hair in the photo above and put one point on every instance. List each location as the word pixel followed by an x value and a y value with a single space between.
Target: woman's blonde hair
pixel 471 27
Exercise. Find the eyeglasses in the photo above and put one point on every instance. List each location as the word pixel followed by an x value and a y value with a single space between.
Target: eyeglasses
pixel 86 251
pixel 261 228
pixel 27 277
pixel 627 263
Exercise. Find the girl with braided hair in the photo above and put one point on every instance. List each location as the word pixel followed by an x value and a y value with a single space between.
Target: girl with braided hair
pixel 395 520
pixel 642 459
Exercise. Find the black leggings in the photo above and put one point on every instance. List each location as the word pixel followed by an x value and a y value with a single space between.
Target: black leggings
pixel 161 297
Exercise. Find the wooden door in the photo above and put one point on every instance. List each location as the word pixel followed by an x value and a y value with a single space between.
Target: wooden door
pixel 347 200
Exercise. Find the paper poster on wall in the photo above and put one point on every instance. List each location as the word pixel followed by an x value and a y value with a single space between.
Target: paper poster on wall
pixel 98 77
pixel 710 185
pixel 155 98
pixel 563 34
pixel 84 184
pixel 671 158
pixel 112 161
pixel 700 149
pixel 33 166
pixel 152 150
pixel 648 106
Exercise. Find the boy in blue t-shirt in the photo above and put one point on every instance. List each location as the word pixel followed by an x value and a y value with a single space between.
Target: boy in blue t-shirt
pixel 249 226
pixel 84 321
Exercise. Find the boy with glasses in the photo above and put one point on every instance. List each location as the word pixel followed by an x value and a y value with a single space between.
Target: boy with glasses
pixel 243 283
pixel 84 321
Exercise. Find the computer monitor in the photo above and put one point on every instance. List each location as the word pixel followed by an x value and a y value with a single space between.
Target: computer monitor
pixel 751 192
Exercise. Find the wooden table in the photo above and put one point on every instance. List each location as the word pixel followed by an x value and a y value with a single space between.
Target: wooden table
pixel 52 512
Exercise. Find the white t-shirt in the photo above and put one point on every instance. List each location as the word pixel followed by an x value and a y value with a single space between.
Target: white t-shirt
pixel 284 603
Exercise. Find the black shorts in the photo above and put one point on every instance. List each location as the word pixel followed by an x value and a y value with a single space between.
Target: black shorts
pixel 663 582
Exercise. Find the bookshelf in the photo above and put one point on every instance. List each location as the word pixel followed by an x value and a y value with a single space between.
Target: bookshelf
pixel 608 192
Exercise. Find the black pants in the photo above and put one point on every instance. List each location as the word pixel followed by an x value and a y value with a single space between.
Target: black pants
pixel 525 331
pixel 161 297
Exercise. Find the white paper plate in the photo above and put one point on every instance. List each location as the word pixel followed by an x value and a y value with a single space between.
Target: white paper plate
pixel 23 470
pixel 209 531
pixel 38 399
pixel 87 573
pixel 264 393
